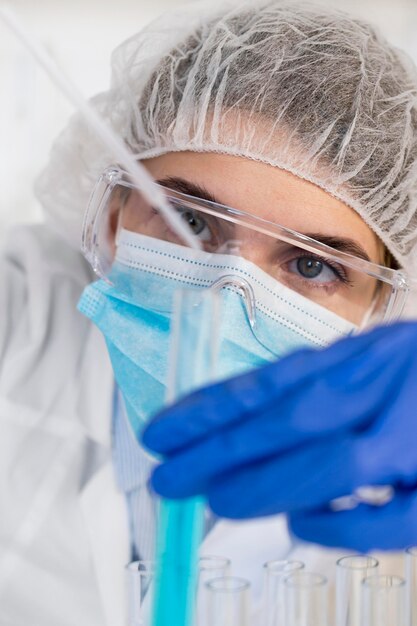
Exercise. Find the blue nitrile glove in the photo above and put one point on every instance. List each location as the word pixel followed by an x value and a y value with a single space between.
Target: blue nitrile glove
pixel 296 434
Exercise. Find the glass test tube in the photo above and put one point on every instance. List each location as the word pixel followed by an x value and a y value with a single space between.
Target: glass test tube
pixel 273 597
pixel 305 599
pixel 192 363
pixel 139 578
pixel 411 578
pixel 384 601
pixel 350 572
pixel 209 567
pixel 228 601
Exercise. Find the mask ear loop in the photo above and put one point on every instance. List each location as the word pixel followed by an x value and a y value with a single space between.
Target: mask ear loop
pixel 244 288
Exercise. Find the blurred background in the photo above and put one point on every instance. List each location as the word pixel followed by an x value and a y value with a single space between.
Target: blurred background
pixel 80 35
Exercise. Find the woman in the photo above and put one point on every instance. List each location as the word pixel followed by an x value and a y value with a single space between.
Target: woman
pixel 285 136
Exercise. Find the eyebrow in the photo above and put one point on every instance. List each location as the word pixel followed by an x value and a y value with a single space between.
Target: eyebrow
pixel 342 244
pixel 190 189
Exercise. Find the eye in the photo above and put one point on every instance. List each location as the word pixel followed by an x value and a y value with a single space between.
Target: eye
pixel 198 224
pixel 315 270
pixel 195 222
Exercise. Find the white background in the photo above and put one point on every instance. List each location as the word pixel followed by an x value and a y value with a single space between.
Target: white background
pixel 80 35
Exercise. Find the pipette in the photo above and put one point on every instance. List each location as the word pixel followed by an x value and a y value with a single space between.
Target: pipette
pixel 104 132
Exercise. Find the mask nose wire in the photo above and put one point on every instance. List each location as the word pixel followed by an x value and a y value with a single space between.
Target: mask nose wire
pixel 246 291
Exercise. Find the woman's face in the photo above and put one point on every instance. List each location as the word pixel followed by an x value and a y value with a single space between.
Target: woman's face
pixel 281 197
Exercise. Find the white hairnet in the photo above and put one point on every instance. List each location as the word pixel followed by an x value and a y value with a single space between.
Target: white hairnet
pixel 301 87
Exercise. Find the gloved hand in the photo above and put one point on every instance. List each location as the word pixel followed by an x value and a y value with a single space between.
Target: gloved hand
pixel 296 434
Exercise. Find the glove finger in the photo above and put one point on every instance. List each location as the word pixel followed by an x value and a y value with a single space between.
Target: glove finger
pixel 240 452
pixel 308 477
pixel 337 376
pixel 390 527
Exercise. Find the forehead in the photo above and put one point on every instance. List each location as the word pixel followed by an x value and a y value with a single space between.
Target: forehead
pixel 268 192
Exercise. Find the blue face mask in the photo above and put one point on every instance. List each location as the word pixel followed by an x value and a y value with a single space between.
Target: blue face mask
pixel 261 320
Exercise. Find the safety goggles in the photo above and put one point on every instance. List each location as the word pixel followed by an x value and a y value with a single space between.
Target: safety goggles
pixel 360 291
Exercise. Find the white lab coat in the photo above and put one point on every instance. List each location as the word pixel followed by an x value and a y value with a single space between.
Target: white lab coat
pixel 63 524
